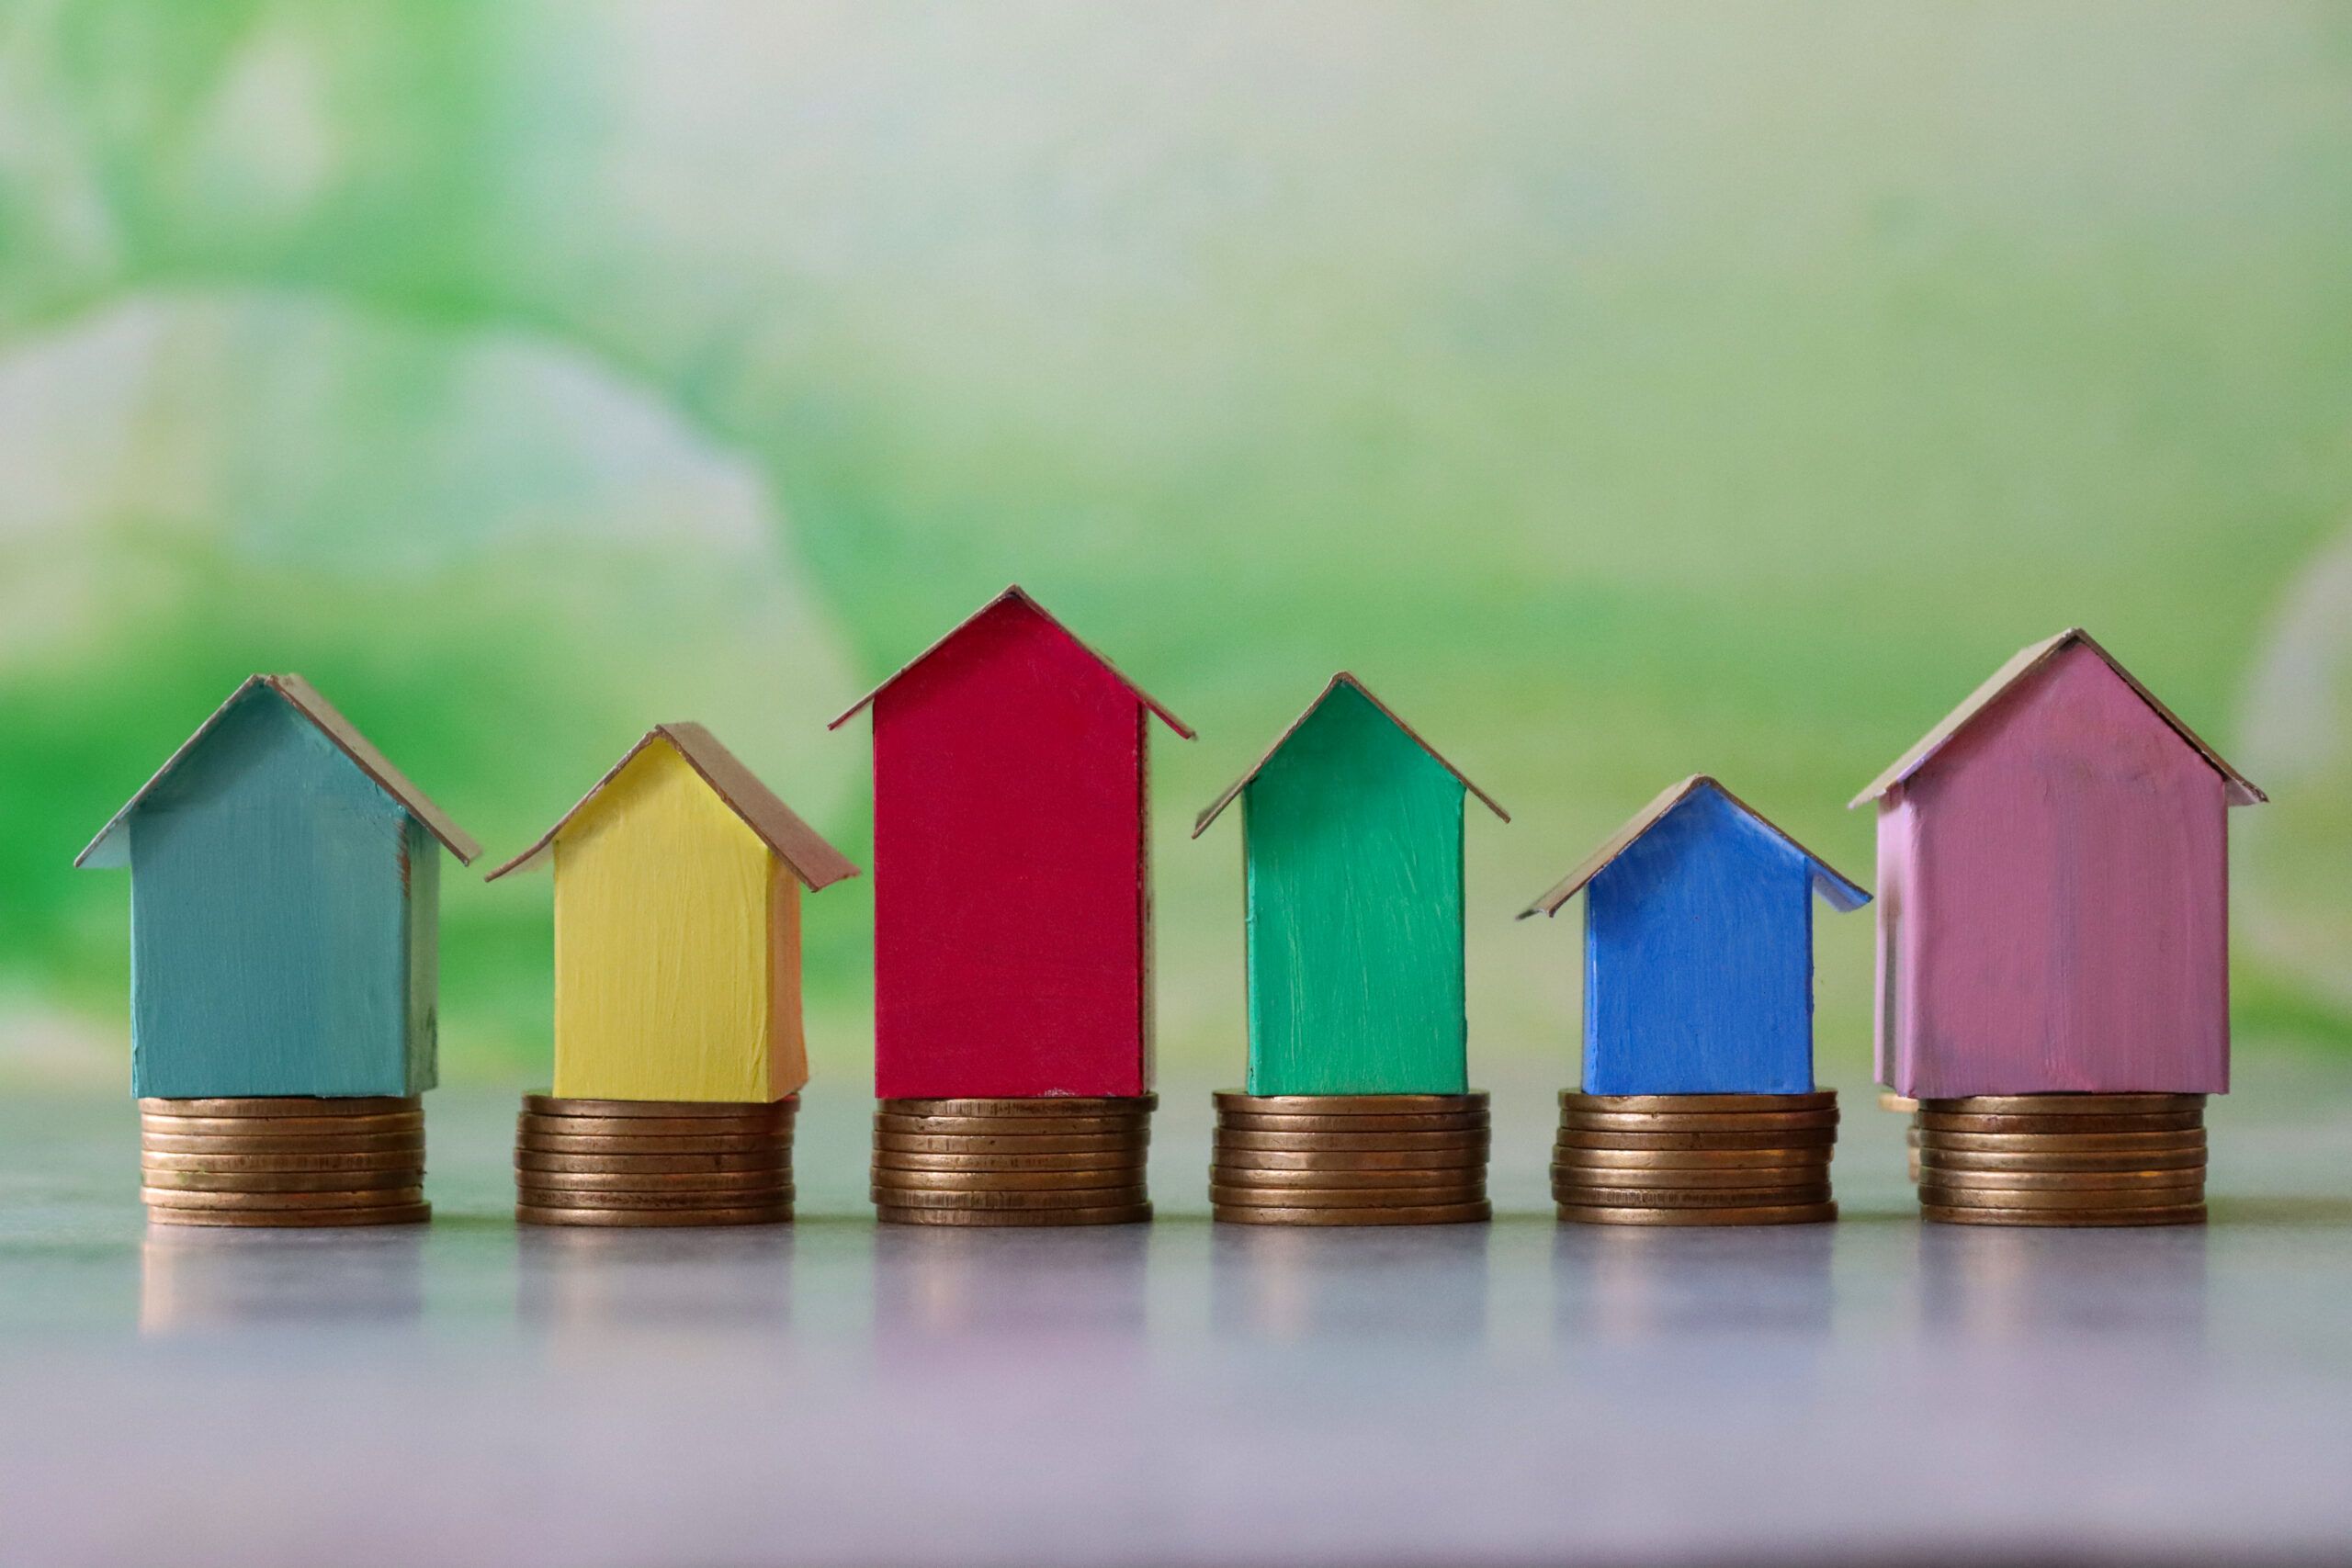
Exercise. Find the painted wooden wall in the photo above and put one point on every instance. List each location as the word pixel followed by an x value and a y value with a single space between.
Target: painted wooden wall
pixel 1698 959
pixel 2054 901
pixel 1352 837
pixel 283 920
pixel 1010 893
pixel 677 935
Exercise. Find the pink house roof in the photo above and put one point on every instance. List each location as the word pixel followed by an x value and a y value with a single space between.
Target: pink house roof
pixel 308 701
pixel 815 862
pixel 2241 791
pixel 1021 596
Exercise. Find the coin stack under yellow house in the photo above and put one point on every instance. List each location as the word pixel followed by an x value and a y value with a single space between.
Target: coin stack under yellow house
pixel 654 1162
pixel 2064 1160
pixel 283 1161
pixel 1059 1160
pixel 1351 1159
pixel 1695 1159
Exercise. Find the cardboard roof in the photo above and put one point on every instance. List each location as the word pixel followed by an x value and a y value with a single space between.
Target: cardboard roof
pixel 1232 792
pixel 307 700
pixel 2241 790
pixel 816 862
pixel 1021 595
pixel 1839 891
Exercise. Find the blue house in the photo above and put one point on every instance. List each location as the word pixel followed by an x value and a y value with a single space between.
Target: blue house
pixel 1699 948
pixel 285 898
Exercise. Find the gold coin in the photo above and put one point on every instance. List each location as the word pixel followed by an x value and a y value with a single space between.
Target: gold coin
pixel 1703 1127
pixel 1247 1177
pixel 649 1127
pixel 1317 1143
pixel 277 1181
pixel 897 1159
pixel 533 1197
pixel 2063 1104
pixel 716 1109
pixel 1818 1099
pixel 1117 1214
pixel 2074 1219
pixel 280 1126
pixel 1048 1105
pixel 1890 1101
pixel 1791 1138
pixel 2061 1143
pixel 2069 1180
pixel 1759 1214
pixel 356 1144
pixel 1805 1175
pixel 1692 1159
pixel 566 1215
pixel 2155 1121
pixel 284 1105
pixel 1094 1198
pixel 1012 1126
pixel 1473 1159
pixel 1576 1196
pixel 291 1219
pixel 1417 1214
pixel 766 1179
pixel 1978 1159
pixel 707 1144
pixel 1944 1195
pixel 1247 1122
pixel 768 1158
pixel 923 1144
pixel 1350 1104
pixel 373 1197
pixel 222 1165
pixel 1347 1197
pixel 1006 1180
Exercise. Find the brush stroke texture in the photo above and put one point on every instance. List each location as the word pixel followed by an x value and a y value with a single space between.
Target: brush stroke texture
pixel 283 922
pixel 1352 837
pixel 677 945
pixel 2054 910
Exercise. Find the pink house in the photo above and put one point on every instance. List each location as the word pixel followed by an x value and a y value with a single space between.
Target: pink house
pixel 2053 890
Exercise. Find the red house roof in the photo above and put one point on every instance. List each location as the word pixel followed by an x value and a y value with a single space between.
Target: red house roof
pixel 1018 596
pixel 2241 791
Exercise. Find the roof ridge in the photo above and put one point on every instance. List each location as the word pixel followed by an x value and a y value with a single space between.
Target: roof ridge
pixel 1842 891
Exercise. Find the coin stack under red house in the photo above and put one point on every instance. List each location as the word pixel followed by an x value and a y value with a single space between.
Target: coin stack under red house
pixel 2064 1160
pixel 654 1162
pixel 283 1161
pixel 1047 1161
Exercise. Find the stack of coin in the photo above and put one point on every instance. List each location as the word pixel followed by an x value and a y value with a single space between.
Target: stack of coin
pixel 1351 1159
pixel 1695 1159
pixel 1054 1161
pixel 1903 1105
pixel 654 1162
pixel 2064 1160
pixel 282 1161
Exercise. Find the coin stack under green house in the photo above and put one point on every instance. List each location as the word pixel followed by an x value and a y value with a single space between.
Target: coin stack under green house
pixel 2064 1160
pixel 1058 1160
pixel 1351 1159
pixel 283 1161
pixel 654 1162
pixel 1695 1159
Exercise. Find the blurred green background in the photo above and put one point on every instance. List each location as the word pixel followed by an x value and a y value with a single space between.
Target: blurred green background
pixel 1620 391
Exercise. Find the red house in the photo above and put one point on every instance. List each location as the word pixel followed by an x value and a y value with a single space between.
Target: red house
pixel 1012 880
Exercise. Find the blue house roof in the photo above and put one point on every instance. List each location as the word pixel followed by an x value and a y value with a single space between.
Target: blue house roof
pixel 1839 891
pixel 112 846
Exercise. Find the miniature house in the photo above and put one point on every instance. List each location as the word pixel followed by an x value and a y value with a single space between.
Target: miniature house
pixel 1699 948
pixel 285 894
pixel 2053 890
pixel 677 928
pixel 1013 893
pixel 1352 844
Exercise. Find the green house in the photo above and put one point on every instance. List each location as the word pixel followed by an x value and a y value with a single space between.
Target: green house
pixel 1352 841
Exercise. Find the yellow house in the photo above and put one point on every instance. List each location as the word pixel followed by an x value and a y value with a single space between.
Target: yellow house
pixel 677 928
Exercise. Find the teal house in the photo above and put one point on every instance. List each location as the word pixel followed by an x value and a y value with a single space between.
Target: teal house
pixel 1351 845
pixel 285 893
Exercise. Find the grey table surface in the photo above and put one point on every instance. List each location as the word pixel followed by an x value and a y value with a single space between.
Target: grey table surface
pixel 836 1393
